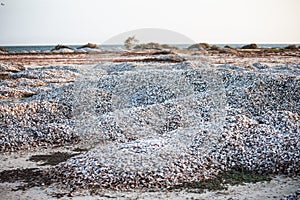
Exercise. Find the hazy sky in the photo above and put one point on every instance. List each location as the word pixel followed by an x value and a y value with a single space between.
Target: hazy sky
pixel 212 21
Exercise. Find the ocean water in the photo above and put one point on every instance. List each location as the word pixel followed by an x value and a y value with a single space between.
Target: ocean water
pixel 45 48
pixel 19 49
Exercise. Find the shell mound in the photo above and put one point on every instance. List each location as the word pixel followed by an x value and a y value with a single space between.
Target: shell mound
pixel 162 126
pixel 154 124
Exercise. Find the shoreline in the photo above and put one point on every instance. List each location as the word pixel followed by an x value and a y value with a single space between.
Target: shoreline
pixel 80 57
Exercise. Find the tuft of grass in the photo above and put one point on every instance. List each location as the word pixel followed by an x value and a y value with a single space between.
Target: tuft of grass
pixel 52 159
pixel 78 149
pixel 236 177
pixel 223 179
pixel 4 76
pixel 29 178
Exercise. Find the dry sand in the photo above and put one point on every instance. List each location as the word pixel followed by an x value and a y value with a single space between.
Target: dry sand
pixel 278 188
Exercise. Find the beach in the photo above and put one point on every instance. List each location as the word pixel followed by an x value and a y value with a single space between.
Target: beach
pixel 150 124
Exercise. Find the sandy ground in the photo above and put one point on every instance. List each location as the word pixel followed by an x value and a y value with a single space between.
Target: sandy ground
pixel 278 188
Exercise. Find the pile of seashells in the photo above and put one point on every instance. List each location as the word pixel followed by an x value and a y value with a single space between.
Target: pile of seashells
pixel 156 134
pixel 29 118
pixel 157 125
pixel 33 124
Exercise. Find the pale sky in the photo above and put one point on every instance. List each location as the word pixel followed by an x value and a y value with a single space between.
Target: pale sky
pixel 212 21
